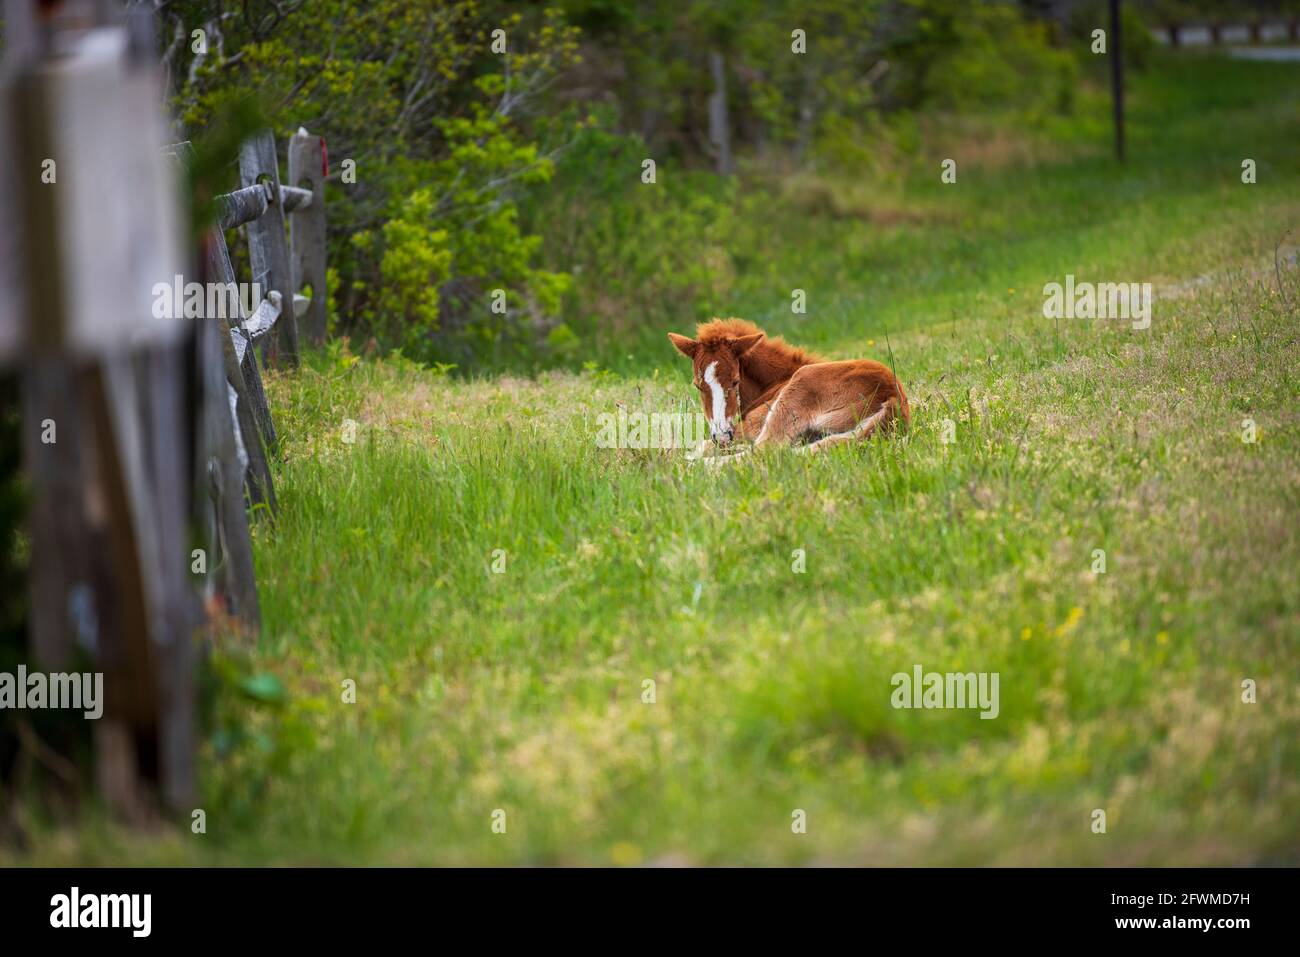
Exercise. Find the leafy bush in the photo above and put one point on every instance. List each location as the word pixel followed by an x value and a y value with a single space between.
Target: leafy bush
pixel 444 134
pixel 960 57
pixel 498 211
pixel 641 253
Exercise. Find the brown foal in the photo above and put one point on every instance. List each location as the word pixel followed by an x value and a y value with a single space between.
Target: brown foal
pixel 785 395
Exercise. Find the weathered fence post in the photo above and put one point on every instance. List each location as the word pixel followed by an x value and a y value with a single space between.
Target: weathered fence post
pixel 254 431
pixel 140 425
pixel 106 433
pixel 217 468
pixel 268 247
pixel 247 384
pixel 219 474
pixel 307 231
pixel 236 209
pixel 248 413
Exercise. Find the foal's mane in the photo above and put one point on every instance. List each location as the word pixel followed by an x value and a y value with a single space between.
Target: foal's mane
pixel 771 352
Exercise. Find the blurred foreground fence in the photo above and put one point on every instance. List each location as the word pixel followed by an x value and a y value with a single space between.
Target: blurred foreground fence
pixel 146 434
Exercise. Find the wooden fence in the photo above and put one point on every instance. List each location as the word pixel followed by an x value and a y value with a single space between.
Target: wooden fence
pixel 146 437
pixel 1214 32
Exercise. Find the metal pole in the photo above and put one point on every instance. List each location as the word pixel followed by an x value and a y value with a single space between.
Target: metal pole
pixel 1117 78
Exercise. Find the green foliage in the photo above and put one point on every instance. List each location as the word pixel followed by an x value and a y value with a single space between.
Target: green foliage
pixel 510 179
pixel 961 56
pixel 650 252
pixel 444 136
pixel 414 263
pixel 256 729
pixel 1136 23
pixel 824 104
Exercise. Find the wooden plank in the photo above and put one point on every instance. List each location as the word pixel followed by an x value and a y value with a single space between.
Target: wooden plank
pixel 249 382
pixel 244 377
pixel 22 45
pixel 39 216
pixel 262 321
pixel 293 199
pixel 12 245
pixel 229 547
pixel 307 170
pixel 62 604
pixel 85 583
pixel 121 485
pixel 165 383
pixel 242 206
pixel 85 112
pixel 257 471
pixel 268 245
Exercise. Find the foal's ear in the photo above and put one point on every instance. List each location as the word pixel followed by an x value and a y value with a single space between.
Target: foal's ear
pixel 742 344
pixel 685 346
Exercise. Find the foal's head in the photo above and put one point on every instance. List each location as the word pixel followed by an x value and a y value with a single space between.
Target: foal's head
pixel 717 375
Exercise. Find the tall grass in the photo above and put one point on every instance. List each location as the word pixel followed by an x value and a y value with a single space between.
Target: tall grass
pixel 501 590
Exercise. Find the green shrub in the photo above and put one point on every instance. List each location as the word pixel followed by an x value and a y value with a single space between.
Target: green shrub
pixel 648 253
pixel 445 134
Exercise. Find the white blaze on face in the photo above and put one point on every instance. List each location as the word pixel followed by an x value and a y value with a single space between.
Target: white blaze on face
pixel 717 421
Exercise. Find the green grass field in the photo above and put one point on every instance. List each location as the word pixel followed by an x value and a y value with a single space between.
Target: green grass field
pixel 524 690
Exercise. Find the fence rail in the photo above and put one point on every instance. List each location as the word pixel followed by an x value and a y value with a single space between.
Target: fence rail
pixel 1216 32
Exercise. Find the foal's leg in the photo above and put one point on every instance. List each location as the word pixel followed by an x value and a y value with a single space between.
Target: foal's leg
pixel 843 423
pixel 881 418
pixel 782 422
pixel 820 398
pixel 793 412
pixel 752 425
